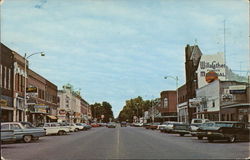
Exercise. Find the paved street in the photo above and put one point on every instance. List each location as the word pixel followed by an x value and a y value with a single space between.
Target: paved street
pixel 123 143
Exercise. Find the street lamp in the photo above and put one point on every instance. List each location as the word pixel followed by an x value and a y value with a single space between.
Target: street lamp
pixel 176 79
pixel 25 82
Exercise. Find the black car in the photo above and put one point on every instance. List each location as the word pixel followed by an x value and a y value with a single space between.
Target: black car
pixel 225 130
pixel 123 124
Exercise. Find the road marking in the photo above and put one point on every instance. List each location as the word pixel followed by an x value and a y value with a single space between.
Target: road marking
pixel 118 143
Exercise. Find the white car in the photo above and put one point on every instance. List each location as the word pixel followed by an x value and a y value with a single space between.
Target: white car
pixel 54 128
pixel 76 127
pixel 195 124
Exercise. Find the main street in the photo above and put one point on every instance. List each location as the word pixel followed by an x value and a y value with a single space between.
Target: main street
pixel 123 143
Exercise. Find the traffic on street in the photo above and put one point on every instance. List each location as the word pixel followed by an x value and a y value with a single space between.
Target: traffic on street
pixel 123 143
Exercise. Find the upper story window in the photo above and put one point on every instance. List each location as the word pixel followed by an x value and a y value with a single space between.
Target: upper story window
pixel 5 77
pixel 9 79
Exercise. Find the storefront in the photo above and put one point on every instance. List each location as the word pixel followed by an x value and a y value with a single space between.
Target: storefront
pixel 6 109
pixel 236 112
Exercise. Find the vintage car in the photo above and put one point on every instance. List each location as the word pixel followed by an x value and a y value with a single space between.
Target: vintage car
pixel 169 127
pixel 84 125
pixel 95 125
pixel 7 135
pixel 123 124
pixel 181 129
pixel 24 130
pixel 154 125
pixel 224 130
pixel 111 125
pixel 54 128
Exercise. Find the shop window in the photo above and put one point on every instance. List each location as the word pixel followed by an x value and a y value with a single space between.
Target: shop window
pixel 232 117
pixel 228 117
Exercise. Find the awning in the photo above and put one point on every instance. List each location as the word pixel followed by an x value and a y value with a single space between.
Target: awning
pixel 236 105
pixel 51 117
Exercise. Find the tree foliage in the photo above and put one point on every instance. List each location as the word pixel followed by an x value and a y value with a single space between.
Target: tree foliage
pixel 134 107
pixel 103 108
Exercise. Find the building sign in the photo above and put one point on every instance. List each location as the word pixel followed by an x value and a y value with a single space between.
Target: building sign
pixel 238 89
pixel 211 67
pixel 31 90
pixel 3 103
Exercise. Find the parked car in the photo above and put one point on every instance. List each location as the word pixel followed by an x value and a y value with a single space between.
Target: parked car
pixel 71 127
pixel 55 128
pixel 7 135
pixel 195 124
pixel 111 125
pixel 181 129
pixel 163 125
pixel 169 127
pixel 154 125
pixel 147 125
pixel 24 130
pixel 199 121
pixel 76 127
pixel 224 130
pixel 138 124
pixel 95 125
pixel 123 124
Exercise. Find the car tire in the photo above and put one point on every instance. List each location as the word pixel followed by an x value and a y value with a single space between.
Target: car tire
pixel 76 130
pixel 182 134
pixel 200 137
pixel 232 139
pixel 27 139
pixel 60 133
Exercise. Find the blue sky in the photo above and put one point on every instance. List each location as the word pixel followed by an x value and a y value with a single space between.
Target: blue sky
pixel 114 50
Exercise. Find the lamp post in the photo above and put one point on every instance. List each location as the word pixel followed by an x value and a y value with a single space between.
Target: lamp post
pixel 176 79
pixel 25 81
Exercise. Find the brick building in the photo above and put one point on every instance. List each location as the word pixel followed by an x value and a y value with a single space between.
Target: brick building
pixel 6 84
pixel 168 108
pixel 192 58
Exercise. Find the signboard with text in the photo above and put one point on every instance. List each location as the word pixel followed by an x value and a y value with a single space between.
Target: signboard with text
pixel 211 67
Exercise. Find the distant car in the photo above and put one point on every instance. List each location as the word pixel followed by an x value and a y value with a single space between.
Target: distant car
pixel 84 125
pixel 163 125
pixel 95 125
pixel 181 129
pixel 24 130
pixel 7 135
pixel 169 127
pixel 111 125
pixel 123 124
pixel 54 128
pixel 138 124
pixel 154 125
pixel 72 128
pixel 147 125
pixel 224 130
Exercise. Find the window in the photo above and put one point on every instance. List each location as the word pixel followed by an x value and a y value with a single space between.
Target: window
pixel 9 79
pixel 14 126
pixel 1 75
pixel 5 77
pixel 4 127
pixel 46 125
pixel 213 103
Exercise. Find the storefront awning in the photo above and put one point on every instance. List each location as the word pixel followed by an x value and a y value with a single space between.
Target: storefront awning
pixel 51 117
pixel 236 105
